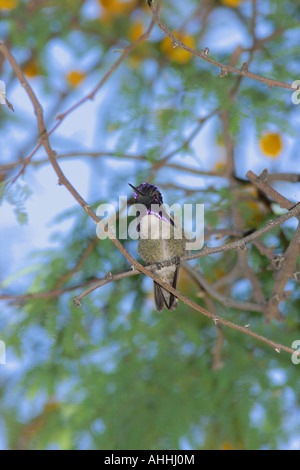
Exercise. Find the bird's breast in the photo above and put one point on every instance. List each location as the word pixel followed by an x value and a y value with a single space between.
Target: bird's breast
pixel 154 227
pixel 156 240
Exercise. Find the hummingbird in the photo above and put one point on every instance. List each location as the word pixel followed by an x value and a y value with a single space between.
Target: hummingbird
pixel 156 228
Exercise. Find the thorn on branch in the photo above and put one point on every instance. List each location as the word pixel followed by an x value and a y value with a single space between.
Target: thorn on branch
pixel 263 177
pixel 278 261
pixel 270 223
pixel 77 302
pixel 296 276
pixel 42 136
pixel 243 247
pixel 278 350
pixel 275 299
pixel 223 73
pixel 9 105
pixel 206 51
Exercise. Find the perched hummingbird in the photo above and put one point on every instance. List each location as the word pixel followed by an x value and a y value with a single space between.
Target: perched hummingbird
pixel 156 229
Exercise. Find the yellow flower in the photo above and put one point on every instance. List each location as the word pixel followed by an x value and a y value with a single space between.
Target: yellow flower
pixel 220 166
pixel 9 4
pixel 31 69
pixel 106 18
pixel 271 144
pixel 75 77
pixel 231 3
pixel 136 30
pixel 177 54
pixel 226 446
pixel 117 7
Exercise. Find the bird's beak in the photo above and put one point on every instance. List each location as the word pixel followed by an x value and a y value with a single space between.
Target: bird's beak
pixel 136 190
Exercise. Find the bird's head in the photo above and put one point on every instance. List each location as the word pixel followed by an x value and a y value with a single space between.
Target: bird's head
pixel 147 194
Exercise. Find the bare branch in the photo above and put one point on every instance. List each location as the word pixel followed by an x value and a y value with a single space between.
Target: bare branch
pixel 224 69
pixel 62 116
pixel 288 261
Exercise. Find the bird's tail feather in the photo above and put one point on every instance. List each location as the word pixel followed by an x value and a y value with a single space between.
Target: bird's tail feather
pixel 164 298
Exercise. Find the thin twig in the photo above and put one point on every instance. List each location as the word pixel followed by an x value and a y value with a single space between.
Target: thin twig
pixel 289 259
pixel 225 69
pixel 90 96
pixel 226 301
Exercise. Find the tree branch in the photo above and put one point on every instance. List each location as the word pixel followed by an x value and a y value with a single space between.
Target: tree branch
pixel 289 259
pixel 224 69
